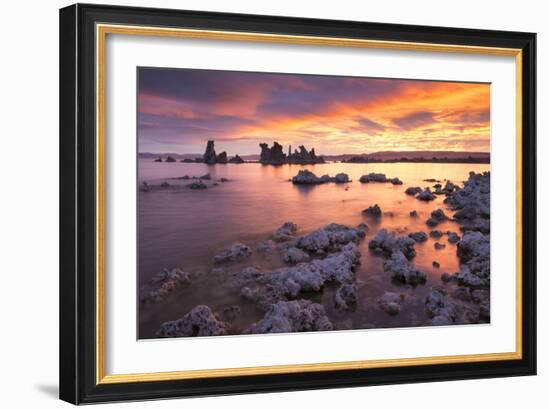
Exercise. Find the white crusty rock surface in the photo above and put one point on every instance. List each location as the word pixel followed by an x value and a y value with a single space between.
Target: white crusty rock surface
pixel 292 316
pixel 345 297
pixel 386 243
pixel 163 283
pixel 237 251
pixel 331 238
pixel 286 232
pixel 402 270
pixel 391 302
pixel 199 322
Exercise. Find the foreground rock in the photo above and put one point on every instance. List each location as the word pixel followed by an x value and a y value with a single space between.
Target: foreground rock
pixel 237 251
pixel 286 232
pixel 308 277
pixel 199 322
pixel 292 316
pixel 293 255
pixel 472 204
pixel 345 297
pixel 439 309
pixel 163 283
pixel 391 302
pixel 398 251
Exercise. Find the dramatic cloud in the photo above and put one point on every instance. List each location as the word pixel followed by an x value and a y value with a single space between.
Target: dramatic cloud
pixel 179 110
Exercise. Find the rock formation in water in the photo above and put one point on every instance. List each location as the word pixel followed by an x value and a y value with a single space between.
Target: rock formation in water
pixel 222 158
pixel 276 156
pixel 236 159
pixel 210 156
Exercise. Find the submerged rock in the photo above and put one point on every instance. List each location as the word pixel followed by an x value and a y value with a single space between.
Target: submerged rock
pixel 391 302
pixel 286 232
pixel 231 313
pixel 426 195
pixel 437 216
pixel 292 316
pixel 452 237
pixel 200 185
pixel 199 322
pixel 413 191
pixel 145 187
pixel 396 181
pixel 439 246
pixel 373 211
pixel 413 213
pixel 419 236
pixel 164 184
pixel 163 283
pixel 436 234
pixel 345 297
pixel 237 251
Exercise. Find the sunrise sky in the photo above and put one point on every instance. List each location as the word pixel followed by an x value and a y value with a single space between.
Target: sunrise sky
pixel 179 110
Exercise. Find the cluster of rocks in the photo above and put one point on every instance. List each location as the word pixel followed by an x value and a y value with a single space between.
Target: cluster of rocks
pixel 472 210
pixel 398 251
pixel 337 247
pixel 162 284
pixel 306 177
pixel 198 183
pixel 472 203
pixel 276 156
pixel 379 178
pixel 460 305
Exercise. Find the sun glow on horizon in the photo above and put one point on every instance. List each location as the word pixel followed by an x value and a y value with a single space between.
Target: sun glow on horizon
pixel 179 110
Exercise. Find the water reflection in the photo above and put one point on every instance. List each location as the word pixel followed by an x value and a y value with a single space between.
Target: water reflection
pixel 185 228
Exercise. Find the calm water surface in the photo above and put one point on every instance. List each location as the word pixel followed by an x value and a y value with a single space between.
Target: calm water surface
pixel 186 228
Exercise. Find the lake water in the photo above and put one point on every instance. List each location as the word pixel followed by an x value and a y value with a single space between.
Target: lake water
pixel 184 228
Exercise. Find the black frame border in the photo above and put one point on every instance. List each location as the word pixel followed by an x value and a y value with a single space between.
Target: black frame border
pixel 78 210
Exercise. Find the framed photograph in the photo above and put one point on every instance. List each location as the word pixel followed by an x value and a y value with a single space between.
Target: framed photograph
pixel 257 203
